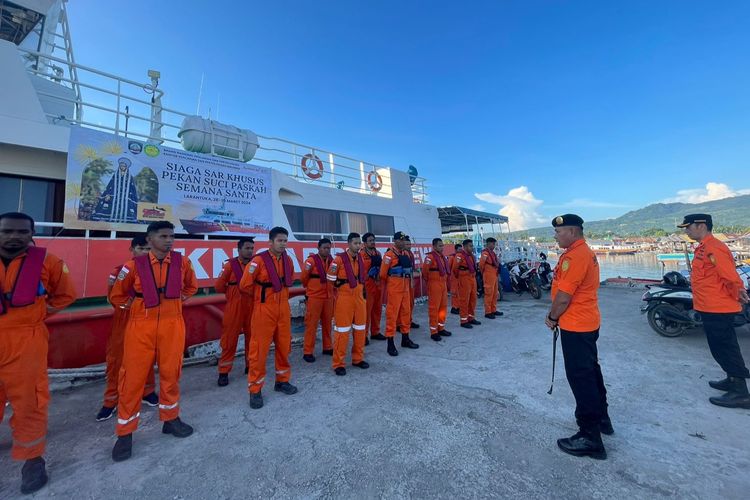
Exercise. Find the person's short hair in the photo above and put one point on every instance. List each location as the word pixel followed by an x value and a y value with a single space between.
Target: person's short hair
pixel 245 239
pixel 435 241
pixel 157 226
pixel 323 241
pixel 352 236
pixel 465 242
pixel 18 216
pixel 275 231
pixel 367 235
pixel 458 246
pixel 139 241
pixel 491 240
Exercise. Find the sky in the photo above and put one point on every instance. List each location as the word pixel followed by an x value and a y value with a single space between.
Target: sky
pixel 529 108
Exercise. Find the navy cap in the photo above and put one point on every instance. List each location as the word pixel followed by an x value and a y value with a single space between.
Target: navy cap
pixel 400 235
pixel 693 218
pixel 567 220
pixel 407 238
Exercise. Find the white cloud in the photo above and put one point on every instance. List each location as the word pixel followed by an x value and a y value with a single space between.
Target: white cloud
pixel 519 205
pixel 586 203
pixel 478 206
pixel 712 191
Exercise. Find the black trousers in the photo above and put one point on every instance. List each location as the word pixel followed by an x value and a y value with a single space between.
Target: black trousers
pixel 722 340
pixel 585 377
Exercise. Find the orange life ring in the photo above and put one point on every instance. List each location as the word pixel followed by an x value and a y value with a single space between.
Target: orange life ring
pixel 316 170
pixel 374 181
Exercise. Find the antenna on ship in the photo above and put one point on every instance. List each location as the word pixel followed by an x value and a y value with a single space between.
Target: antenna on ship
pixel 200 94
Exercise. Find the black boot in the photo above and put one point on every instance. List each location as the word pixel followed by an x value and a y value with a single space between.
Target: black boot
pixel 123 448
pixel 455 310
pixel 309 358
pixel 474 322
pixel 497 314
pixel 721 385
pixel 285 387
pixel 177 428
pixel 256 400
pixel 379 336
pixel 584 444
pixel 223 379
pixel 490 315
pixel 466 325
pixel 406 342
pixel 414 325
pixel 392 347
pixel 247 369
pixel 605 426
pixel 367 340
pixel 445 333
pixel 436 337
pixel 33 475
pixel 327 352
pixel 362 364
pixel 340 371
pixel 736 397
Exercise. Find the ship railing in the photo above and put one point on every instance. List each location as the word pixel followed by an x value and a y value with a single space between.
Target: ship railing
pixel 121 106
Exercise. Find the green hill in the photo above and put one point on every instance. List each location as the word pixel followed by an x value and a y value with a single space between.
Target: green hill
pixel 729 214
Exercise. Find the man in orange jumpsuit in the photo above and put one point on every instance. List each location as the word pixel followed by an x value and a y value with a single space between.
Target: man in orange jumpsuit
pixel 718 294
pixel 373 288
pixel 269 276
pixel 489 265
pixel 435 271
pixel 396 273
pixel 575 311
pixel 464 269
pixel 115 344
pixel 33 285
pixel 154 287
pixel 453 281
pixel 239 309
pixel 347 273
pixel 319 292
pixel 416 277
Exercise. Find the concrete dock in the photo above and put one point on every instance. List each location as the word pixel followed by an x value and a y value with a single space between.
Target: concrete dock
pixel 468 417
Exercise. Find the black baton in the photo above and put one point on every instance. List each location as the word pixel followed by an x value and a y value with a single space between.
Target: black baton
pixel 556 334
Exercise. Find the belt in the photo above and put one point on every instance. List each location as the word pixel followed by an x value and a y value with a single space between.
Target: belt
pixel 264 285
pixel 160 291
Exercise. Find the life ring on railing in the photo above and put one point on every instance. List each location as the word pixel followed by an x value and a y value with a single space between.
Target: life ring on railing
pixel 316 170
pixel 374 181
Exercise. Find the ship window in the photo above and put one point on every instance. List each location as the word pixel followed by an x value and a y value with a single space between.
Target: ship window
pixel 381 224
pixel 316 220
pixel 357 223
pixel 43 200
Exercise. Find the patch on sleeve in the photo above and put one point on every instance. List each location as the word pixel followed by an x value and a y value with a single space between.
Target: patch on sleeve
pixel 65 268
pixel 427 260
pixel 334 268
pixel 712 258
pixel 565 265
pixel 252 267
pixel 308 266
pixel 123 273
pixel 387 259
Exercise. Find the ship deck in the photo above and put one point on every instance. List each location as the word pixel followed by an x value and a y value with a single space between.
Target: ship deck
pixel 465 418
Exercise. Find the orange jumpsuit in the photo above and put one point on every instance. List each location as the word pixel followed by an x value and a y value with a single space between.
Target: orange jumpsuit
pixel 237 315
pixel 397 286
pixel 115 347
pixel 350 311
pixel 374 296
pixel 272 322
pixel 488 264
pixel 23 354
pixel 152 334
pixel 455 291
pixel 467 284
pixel 435 271
pixel 413 284
pixel 319 304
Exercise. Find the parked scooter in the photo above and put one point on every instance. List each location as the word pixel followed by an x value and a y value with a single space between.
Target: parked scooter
pixel 669 307
pixel 524 277
pixel 544 271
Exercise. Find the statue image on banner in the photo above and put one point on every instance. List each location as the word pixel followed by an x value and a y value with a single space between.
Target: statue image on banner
pixel 119 201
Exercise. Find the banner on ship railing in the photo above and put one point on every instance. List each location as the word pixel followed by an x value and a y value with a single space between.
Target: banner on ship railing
pixel 115 183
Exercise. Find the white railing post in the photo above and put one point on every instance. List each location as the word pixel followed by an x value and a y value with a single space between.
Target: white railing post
pixel 117 114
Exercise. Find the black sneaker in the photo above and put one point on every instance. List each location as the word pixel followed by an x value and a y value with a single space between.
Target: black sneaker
pixel 497 314
pixel 379 336
pixel 256 400
pixel 33 475
pixel 455 310
pixel 177 428
pixel 327 352
pixel 392 347
pixel 151 399
pixel 490 316
pixel 362 364
pixel 105 414
pixel 309 358
pixel 436 337
pixel 605 426
pixel 285 387
pixel 474 322
pixel 223 379
pixel 583 445
pixel 466 325
pixel 721 385
pixel 123 448
pixel 340 371
pixel 444 333
pixel 414 325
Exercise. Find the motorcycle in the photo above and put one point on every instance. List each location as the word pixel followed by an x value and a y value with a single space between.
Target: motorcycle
pixel 524 277
pixel 669 307
pixel 544 271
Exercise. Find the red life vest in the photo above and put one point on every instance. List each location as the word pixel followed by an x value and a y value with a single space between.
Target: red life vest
pixel 321 268
pixel 442 265
pixel 274 276
pixel 234 263
pixel 28 285
pixel 150 293
pixel 469 262
pixel 492 258
pixel 350 277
